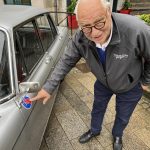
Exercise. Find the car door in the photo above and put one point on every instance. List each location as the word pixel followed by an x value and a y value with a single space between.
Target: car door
pixel 11 121
pixel 47 48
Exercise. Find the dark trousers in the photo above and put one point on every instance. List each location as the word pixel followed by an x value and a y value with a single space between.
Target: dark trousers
pixel 125 105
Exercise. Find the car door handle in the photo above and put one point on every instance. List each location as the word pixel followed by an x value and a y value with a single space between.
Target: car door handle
pixel 48 59
pixel 60 37
pixel 52 67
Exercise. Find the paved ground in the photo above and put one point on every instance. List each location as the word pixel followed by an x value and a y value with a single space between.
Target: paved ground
pixel 71 117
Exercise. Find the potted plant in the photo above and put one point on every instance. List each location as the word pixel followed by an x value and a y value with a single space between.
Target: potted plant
pixel 72 22
pixel 126 7
pixel 146 18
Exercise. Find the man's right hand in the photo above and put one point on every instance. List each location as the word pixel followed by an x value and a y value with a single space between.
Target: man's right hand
pixel 42 95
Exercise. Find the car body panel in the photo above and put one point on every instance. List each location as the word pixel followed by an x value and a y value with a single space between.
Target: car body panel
pixel 10 125
pixel 14 15
pixel 35 126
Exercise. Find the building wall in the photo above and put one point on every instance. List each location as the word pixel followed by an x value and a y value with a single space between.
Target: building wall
pixel 119 5
pixel 1 2
pixel 39 3
pixel 50 4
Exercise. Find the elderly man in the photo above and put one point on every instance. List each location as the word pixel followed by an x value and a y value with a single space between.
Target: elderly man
pixel 116 47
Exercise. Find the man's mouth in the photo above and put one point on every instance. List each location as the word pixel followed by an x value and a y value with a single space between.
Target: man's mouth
pixel 98 37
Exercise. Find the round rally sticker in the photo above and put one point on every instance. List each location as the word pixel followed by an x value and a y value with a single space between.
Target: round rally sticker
pixel 26 103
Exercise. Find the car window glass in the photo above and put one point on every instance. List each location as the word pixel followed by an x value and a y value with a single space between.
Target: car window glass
pixel 5 88
pixel 46 31
pixel 28 49
pixel 52 25
pixel 2 40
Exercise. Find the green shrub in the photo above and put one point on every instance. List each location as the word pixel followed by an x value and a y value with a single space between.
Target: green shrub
pixel 146 18
pixel 126 5
pixel 72 6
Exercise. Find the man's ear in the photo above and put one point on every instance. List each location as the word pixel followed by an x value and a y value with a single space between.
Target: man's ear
pixel 80 28
pixel 109 7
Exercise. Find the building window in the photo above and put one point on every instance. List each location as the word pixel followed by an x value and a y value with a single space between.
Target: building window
pixel 17 2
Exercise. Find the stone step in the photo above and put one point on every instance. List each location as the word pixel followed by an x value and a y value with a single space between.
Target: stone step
pixel 141 5
pixel 140 8
pixel 140 11
pixel 139 1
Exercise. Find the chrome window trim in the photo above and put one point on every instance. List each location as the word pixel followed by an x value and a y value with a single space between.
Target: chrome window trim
pixel 51 24
pixel 29 72
pixel 10 68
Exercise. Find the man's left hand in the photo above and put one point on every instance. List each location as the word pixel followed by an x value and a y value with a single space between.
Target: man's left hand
pixel 146 88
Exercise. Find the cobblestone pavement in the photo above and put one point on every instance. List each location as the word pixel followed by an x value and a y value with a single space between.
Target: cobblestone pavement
pixel 71 117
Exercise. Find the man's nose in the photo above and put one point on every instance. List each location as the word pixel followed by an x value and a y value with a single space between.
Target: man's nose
pixel 94 31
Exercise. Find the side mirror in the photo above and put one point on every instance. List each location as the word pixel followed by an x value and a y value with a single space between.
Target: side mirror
pixel 29 87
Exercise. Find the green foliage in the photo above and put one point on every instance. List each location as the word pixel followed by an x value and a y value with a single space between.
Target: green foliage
pixel 145 17
pixel 72 6
pixel 126 5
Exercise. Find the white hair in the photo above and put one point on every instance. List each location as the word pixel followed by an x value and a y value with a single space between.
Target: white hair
pixel 105 2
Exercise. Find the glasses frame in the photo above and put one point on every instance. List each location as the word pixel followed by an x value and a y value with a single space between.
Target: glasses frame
pixel 98 28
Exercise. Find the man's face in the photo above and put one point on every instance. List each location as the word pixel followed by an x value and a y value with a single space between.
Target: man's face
pixel 95 22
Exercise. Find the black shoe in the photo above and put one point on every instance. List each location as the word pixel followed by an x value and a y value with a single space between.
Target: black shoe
pixel 117 143
pixel 87 136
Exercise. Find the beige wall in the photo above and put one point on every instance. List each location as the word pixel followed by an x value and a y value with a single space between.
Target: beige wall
pixel 119 6
pixel 50 4
pixel 1 2
pixel 39 3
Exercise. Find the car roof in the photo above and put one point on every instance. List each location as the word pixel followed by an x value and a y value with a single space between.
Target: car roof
pixel 12 15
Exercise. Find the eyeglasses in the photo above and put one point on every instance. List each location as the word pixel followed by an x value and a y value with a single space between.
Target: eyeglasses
pixel 98 25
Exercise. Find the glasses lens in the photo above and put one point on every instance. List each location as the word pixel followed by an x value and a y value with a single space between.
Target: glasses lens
pixel 86 29
pixel 99 25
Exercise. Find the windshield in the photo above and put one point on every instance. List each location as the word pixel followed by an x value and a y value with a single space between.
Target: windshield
pixel 4 67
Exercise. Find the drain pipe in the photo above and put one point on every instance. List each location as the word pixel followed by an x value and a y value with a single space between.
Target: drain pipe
pixel 55 8
pixel 115 3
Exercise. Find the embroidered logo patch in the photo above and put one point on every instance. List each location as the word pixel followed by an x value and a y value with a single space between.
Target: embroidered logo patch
pixel 117 56
pixel 26 103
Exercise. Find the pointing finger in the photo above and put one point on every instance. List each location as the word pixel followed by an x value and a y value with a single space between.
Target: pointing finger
pixel 45 100
pixel 35 98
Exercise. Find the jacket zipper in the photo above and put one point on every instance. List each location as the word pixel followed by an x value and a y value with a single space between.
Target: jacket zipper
pixel 95 53
pixel 99 62
pixel 105 70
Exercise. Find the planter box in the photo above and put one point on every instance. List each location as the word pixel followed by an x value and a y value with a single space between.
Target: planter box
pixel 72 22
pixel 125 11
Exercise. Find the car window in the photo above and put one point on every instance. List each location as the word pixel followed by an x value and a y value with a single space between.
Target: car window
pixel 5 88
pixel 46 31
pixel 28 49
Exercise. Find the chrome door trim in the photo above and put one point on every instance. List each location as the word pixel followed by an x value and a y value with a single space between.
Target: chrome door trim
pixel 10 67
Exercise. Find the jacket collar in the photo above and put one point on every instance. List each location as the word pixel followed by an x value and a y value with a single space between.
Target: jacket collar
pixel 115 33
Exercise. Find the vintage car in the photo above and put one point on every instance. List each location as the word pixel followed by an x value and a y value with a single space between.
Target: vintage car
pixel 30 47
